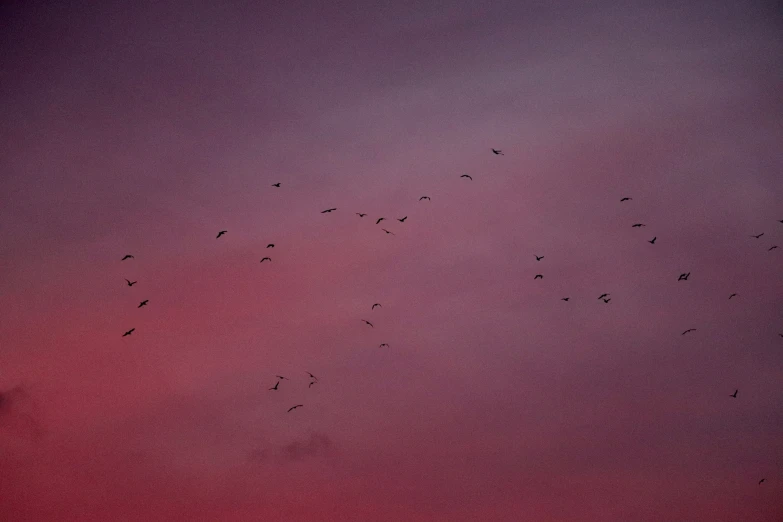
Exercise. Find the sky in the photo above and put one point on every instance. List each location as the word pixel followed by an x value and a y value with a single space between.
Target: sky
pixel 144 128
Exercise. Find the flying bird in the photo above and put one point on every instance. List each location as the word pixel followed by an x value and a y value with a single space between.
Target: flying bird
pixel 758 235
pixel 637 225
pixel 538 276
pixel 539 258
pixel 625 199
pixel 379 220
pixel 428 199
pixel 275 386
pixel 282 378
pixel 376 304
pixel 131 283
pixel 688 330
pixel 499 152
pixel 295 407
pixel 221 233
pixel 780 221
pixel 683 277
pixel 360 214
pixel 602 296
pixel 762 480
pixel 368 322
pixel 607 300
pixel 128 332
pixel 271 245
pixel 732 295
pixel 565 298
pixel 466 176
pixel 402 220
pixel 276 184
pixel 311 383
pixel 327 210
pixel 734 394
pixel 772 248
pixel 143 303
pixel 127 256
pixel 652 241
pixel 383 344
pixel 392 233
pixel 265 259
pixel 312 376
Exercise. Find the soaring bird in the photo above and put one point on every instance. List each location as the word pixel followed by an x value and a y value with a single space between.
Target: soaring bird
pixel 221 233
pixel 539 258
pixel 271 245
pixel 466 176
pixel 360 214
pixel 392 233
pixel 607 300
pixel 131 283
pixel 565 298
pixel 652 241
pixel 734 394
pixel 265 259
pixel 376 304
pixel 762 480
pixel 127 256
pixel 282 378
pixel 538 276
pixel 327 210
pixel 312 376
pixel 688 330
pixel 402 220
pixel 128 332
pixel 383 344
pixel 683 277
pixel 772 248
pixel 295 407
pixel 780 221
pixel 143 303
pixel 276 184
pixel 275 386
pixel 428 199
pixel 732 295
pixel 758 235
pixel 379 220
pixel 625 199
pixel 311 383
pixel 368 322
pixel 602 296
pixel 637 225
pixel 499 152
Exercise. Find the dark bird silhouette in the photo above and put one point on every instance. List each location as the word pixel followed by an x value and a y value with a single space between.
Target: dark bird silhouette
pixel 466 176
pixel 683 277
pixel 275 386
pixel 402 220
pixel 368 322
pixel 602 296
pixel 271 245
pixel 565 298
pixel 688 330
pixel 266 259
pixel 313 377
pixel 311 383
pixel 780 221
pixel 734 394
pixel 498 152
pixel 607 300
pixel 360 214
pixel 276 184
pixel 282 378
pixel 392 233
pixel 539 258
pixel 379 220
pixel 143 303
pixel 637 225
pixel 762 480
pixel 295 407
pixel 425 197
pixel 625 199
pixel 758 235
pixel 127 256
pixel 327 210
pixel 376 304
pixel 732 295
pixel 221 233
pixel 383 344
pixel 652 241
pixel 131 283
pixel 538 276
pixel 772 248
pixel 128 332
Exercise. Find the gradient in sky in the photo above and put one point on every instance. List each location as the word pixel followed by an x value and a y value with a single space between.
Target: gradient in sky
pixel 144 128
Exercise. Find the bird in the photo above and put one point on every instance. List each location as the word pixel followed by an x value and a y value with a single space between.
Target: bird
pixel 360 214
pixel 376 304
pixel 732 295
pixel 368 322
pixel 392 233
pixel 602 296
pixel 688 330
pixel 734 394
pixel 402 220
pixel 625 199
pixel 221 233
pixel 780 220
pixel 127 256
pixel 282 378
pixel 762 480
pixel 652 241
pixel 637 225
pixel 275 386
pixel 311 383
pixel 466 176
pixel 498 152
pixel 773 247
pixel 538 276
pixel 128 332
pixel 758 235
pixel 131 283
pixel 276 184
pixel 425 197
pixel 327 210
pixel 607 300
pixel 264 259
pixel 683 277
pixel 143 303
pixel 312 376
pixel 271 245
pixel 539 258
pixel 379 220
pixel 295 407
pixel 565 298
pixel 383 344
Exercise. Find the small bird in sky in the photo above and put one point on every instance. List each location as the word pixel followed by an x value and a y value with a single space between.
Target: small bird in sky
pixel 565 298
pixel 607 300
pixel 637 225
pixel 772 248
pixel 762 480
pixel 466 176
pixel 376 304
pixel 538 276
pixel 688 330
pixel 734 394
pixel 271 245
pixel 127 256
pixel 780 221
pixel 327 210
pixel 295 407
pixel 360 214
pixel 758 236
pixel 602 296
pixel 313 377
pixel 498 152
pixel 368 322
pixel 539 258
pixel 402 220
pixel 379 220
pixel 652 241
pixel 128 332
pixel 683 277
pixel 625 199
pixel 143 303
pixel 732 295
pixel 282 378
pixel 392 233
pixel 383 344
pixel 276 184
pixel 266 259
pixel 131 283
pixel 275 386
pixel 425 197
pixel 311 383
pixel 221 233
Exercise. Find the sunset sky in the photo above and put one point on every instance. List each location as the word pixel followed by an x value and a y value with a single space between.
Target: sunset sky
pixel 145 128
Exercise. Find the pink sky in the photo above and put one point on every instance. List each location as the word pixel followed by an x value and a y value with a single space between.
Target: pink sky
pixel 145 128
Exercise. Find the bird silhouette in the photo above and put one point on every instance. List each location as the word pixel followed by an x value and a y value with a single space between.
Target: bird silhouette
pixel 295 407
pixel 602 296
pixel 360 214
pixel 311 383
pixel 780 221
pixel 499 152
pixel 607 300
pixel 376 304
pixel 312 376
pixel 275 386
pixel 368 322
pixel 221 233
pixel 282 378
pixel 402 220
pixel 637 225
pixel 131 283
pixel 688 330
pixel 425 197
pixel 734 394
pixel 379 220
pixel 275 184
pixel 383 344
pixel 652 241
pixel 265 259
pixel 327 210
pixel 758 235
pixel 271 245
pixel 625 199
pixel 143 303
pixel 683 277
pixel 538 276
pixel 539 258
pixel 466 176
pixel 762 480
pixel 565 298
pixel 732 295
pixel 392 233
pixel 773 247
pixel 128 332
pixel 127 256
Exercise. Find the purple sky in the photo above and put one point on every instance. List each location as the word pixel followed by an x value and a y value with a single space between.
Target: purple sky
pixel 144 128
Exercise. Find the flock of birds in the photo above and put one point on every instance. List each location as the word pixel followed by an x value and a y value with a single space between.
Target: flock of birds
pixel 605 297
